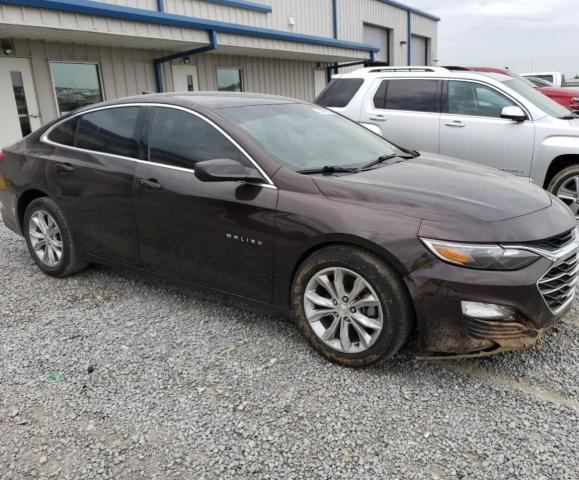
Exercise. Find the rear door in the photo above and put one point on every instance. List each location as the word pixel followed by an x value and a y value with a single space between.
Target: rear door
pixel 217 234
pixel 407 111
pixel 471 128
pixel 90 173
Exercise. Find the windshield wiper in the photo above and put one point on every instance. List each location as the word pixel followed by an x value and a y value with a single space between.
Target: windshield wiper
pixel 569 117
pixel 385 158
pixel 329 169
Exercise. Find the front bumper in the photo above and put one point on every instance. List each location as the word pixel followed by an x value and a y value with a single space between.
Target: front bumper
pixel 438 289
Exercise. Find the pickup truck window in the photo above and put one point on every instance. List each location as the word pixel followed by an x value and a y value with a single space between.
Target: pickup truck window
pixel 468 98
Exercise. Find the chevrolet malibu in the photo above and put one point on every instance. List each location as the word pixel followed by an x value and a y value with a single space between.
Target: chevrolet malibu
pixel 293 206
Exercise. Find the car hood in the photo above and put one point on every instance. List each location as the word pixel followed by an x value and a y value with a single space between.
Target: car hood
pixel 433 187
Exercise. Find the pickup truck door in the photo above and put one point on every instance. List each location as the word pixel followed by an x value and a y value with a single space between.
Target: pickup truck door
pixel 407 111
pixel 471 128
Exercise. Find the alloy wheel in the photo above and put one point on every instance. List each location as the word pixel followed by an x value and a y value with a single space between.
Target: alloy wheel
pixel 568 192
pixel 343 310
pixel 45 238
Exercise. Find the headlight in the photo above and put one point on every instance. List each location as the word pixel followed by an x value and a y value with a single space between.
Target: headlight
pixel 483 257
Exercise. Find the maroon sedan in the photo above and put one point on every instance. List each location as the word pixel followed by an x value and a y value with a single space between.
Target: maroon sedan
pixel 293 206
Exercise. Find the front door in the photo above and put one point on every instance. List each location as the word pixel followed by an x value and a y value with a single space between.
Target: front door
pixel 217 234
pixel 18 106
pixel 185 78
pixel 471 128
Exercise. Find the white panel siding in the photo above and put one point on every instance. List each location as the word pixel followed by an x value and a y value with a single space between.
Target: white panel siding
pixel 353 14
pixel 312 17
pixel 263 75
pixel 427 28
pixel 127 72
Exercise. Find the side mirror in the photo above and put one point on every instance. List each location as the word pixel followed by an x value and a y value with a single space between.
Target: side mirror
pixel 514 113
pixel 225 170
pixel 373 128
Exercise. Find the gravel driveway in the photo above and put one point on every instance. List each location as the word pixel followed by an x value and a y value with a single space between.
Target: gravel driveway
pixel 107 375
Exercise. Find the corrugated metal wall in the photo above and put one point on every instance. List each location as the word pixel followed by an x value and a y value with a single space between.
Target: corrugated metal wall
pixel 353 14
pixel 427 28
pixel 313 17
pixel 128 72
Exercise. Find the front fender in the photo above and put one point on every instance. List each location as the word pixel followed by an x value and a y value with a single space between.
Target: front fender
pixel 550 149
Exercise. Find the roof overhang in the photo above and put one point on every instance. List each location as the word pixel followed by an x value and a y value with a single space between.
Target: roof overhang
pixel 159 30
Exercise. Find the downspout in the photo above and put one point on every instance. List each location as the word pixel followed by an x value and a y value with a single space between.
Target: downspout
pixel 409 39
pixel 334 68
pixel 160 5
pixel 158 62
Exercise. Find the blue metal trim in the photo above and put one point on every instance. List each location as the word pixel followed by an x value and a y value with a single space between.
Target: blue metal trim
pixel 257 7
pixel 408 8
pixel 409 40
pixel 335 17
pixel 160 6
pixel 98 9
pixel 188 53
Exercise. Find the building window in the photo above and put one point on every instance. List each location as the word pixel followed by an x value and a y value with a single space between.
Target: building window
pixel 76 85
pixel 229 80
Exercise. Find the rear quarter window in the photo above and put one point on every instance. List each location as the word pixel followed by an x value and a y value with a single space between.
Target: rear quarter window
pixel 339 92
pixel 64 132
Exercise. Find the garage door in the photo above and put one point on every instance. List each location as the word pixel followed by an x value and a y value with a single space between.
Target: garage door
pixel 419 53
pixel 378 36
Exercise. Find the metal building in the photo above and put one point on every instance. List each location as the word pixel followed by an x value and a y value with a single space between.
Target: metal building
pixel 58 55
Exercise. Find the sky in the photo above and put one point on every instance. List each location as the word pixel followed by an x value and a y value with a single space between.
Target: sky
pixel 525 35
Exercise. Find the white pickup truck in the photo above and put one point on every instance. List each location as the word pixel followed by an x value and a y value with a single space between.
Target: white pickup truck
pixel 556 78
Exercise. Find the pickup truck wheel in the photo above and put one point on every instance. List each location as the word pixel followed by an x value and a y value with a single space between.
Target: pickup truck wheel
pixel 565 186
pixel 351 306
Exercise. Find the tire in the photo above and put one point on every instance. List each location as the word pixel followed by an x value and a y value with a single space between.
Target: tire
pixel 563 178
pixel 397 315
pixel 69 261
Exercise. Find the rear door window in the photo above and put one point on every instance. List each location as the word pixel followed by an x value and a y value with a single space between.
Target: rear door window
pixel 339 92
pixel 413 95
pixel 113 130
pixel 181 139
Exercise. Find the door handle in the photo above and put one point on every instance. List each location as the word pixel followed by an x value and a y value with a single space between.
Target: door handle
pixel 378 118
pixel 455 124
pixel 64 168
pixel 151 185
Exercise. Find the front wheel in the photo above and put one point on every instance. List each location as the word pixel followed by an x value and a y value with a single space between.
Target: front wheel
pixel 49 239
pixel 351 306
pixel 565 186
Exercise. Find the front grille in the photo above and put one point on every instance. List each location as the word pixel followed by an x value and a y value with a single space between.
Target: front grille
pixel 553 243
pixel 558 285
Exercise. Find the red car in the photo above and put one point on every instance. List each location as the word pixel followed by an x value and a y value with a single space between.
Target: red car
pixel 565 96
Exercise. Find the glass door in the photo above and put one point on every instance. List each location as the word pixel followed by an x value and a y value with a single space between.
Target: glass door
pixel 18 104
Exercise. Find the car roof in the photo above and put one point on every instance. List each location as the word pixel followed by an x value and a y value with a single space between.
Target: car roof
pixel 203 100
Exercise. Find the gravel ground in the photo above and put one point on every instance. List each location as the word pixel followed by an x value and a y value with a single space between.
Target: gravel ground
pixel 161 383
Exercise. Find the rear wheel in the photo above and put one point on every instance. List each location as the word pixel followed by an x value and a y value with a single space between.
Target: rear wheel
pixel 49 239
pixel 565 186
pixel 351 306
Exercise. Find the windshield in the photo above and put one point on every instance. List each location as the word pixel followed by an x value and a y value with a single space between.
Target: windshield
pixel 303 136
pixel 548 106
